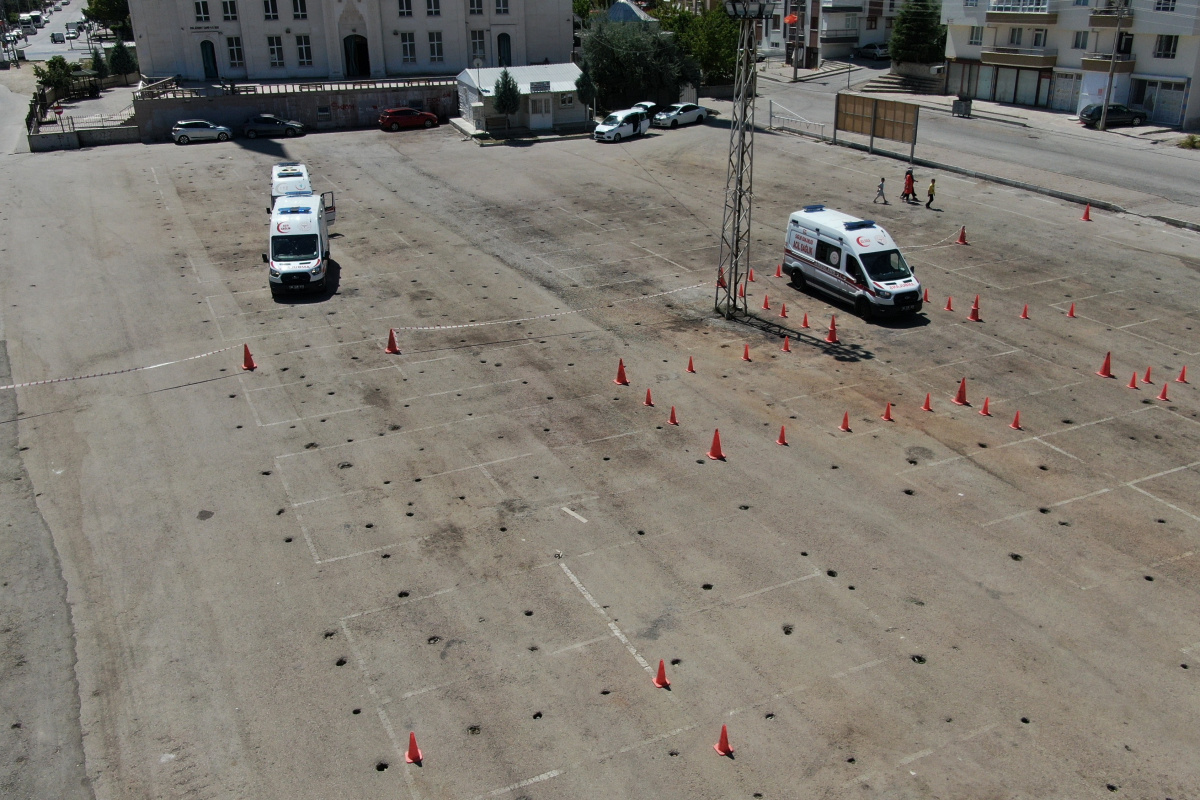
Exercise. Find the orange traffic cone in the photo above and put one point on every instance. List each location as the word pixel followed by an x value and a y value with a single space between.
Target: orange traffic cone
pixel 779 270
pixel 660 680
pixel 745 352
pixel 690 368
pixel 1087 213
pixel 1025 312
pixel 845 426
pixel 621 380
pixel 1106 368
pixel 721 284
pixel 974 315
pixel 722 746
pixel 1133 382
pixel 413 756
pixel 783 311
pixel 787 346
pixel 391 348
pixel 649 401
pixel 949 303
pixel 887 413
pixel 1071 312
pixel 742 289
pixel 1146 377
pixel 750 275
pixel 831 337
pixel 962 235
pixel 671 419
pixel 782 436
pixel 247 359
pixel 927 406
pixel 1182 376
pixel 1163 394
pixel 984 411
pixel 960 397
pixel 804 321
pixel 715 452
pixel 766 306
pixel 925 299
pixel 1016 423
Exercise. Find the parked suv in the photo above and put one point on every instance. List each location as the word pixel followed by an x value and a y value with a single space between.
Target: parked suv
pixel 622 125
pixel 1117 115
pixel 271 125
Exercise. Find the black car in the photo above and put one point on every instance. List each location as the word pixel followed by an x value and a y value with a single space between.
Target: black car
pixel 271 125
pixel 1117 115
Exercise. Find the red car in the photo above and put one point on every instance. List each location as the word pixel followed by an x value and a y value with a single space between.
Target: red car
pixel 396 118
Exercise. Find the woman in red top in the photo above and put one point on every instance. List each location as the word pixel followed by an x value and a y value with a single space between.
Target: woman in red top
pixel 910 191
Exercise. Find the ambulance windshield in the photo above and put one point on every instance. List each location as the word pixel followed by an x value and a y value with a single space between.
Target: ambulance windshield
pixel 301 247
pixel 886 266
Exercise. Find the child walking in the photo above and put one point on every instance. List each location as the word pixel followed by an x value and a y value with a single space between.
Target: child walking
pixel 879 195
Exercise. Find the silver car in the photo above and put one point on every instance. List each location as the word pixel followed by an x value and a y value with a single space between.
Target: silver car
pixel 196 130
pixel 679 114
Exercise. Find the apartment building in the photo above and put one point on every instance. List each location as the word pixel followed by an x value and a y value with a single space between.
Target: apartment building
pixel 1059 53
pixel 344 39
pixel 832 29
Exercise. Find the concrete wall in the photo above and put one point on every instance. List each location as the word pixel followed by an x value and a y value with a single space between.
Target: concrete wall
pixel 92 137
pixel 45 142
pixel 346 108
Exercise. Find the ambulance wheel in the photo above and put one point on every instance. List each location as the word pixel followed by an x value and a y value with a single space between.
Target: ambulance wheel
pixel 863 308
pixel 798 279
pixel 320 287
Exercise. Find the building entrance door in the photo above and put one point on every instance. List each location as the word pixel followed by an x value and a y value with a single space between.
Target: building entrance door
pixel 208 54
pixel 541 114
pixel 358 57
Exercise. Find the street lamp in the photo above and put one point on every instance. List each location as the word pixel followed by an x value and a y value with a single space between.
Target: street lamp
pixel 739 177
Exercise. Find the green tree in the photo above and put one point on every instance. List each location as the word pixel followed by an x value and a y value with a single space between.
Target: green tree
pixel 112 14
pixel 918 36
pixel 712 38
pixel 506 95
pixel 632 61
pixel 98 64
pixel 582 8
pixel 585 87
pixel 55 75
pixel 120 60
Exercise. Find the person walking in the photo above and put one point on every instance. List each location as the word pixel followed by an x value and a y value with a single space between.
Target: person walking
pixel 930 191
pixel 879 195
pixel 909 195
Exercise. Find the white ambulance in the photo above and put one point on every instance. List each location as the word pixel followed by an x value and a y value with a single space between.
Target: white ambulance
pixel 299 240
pixel 288 177
pixel 851 259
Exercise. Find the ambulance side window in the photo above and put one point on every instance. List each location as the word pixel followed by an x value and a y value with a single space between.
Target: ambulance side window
pixel 828 253
pixel 853 270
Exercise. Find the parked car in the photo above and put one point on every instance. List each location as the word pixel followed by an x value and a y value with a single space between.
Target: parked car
pixel 57 38
pixel 876 50
pixel 197 130
pixel 72 34
pixel 650 108
pixel 679 114
pixel 622 125
pixel 1117 115
pixel 271 125
pixel 393 119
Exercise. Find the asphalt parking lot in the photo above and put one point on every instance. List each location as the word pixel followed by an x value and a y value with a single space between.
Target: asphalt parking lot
pixel 276 575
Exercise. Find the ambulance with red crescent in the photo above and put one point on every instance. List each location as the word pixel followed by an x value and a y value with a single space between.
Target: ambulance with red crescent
pixel 299 241
pixel 850 259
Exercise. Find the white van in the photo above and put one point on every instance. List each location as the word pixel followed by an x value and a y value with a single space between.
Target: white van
pixel 299 241
pixel 851 259
pixel 622 125
pixel 288 177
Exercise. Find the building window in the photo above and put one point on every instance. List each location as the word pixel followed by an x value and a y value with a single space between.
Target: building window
pixel 1081 2
pixel 1165 46
pixel 501 6
pixel 478 44
pixel 299 9
pixel 1014 36
pixel 1164 5
pixel 202 11
pixel 1080 42
pixel 888 22
pixel 304 51
pixel 872 23
pixel 976 35
pixel 1039 37
pixel 275 50
pixel 271 9
pixel 476 7
pixel 406 8
pixel 236 57
pixel 970 3
pixel 433 8
pixel 229 10
pixel 408 47
pixel 435 46
pixel 566 101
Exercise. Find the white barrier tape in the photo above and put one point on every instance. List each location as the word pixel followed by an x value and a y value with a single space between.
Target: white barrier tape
pixel 544 316
pixel 117 371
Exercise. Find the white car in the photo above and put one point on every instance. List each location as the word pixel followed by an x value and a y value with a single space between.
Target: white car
pixel 680 114
pixel 195 130
pixel 72 34
pixel 622 125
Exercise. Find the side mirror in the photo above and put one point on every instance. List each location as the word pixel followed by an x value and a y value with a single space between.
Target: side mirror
pixel 265 259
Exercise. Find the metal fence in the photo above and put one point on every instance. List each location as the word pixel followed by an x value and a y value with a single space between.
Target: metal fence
pixel 170 88
pixel 780 118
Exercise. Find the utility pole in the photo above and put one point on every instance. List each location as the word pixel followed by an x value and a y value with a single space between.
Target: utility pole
pixel 1112 66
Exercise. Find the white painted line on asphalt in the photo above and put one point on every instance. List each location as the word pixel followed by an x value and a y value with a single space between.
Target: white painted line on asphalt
pixel 573 514
pixel 860 668
pixel 314 416
pixel 612 626
pixel 580 645
pixel 766 589
pixel 545 776
pixel 909 759
pixel 1171 506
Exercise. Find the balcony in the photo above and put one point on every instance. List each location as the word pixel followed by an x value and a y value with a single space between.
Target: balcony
pixel 1021 12
pixel 1031 57
pixel 1099 62
pixel 842 6
pixel 839 35
pixel 1107 17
